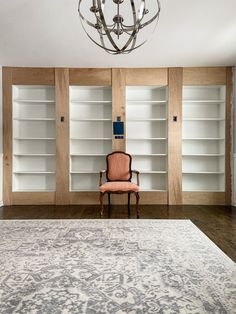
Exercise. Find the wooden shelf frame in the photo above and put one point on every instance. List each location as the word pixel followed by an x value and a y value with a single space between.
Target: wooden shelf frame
pixel 212 78
pixel 118 79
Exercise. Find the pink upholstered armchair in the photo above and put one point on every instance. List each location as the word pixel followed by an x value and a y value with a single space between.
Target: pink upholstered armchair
pixel 118 175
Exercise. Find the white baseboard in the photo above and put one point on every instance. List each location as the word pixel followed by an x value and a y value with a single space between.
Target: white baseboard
pixel 1 204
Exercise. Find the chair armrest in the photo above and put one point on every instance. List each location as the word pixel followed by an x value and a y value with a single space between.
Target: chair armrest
pixel 101 173
pixel 137 174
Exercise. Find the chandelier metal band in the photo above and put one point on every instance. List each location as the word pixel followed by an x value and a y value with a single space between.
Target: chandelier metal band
pixel 109 34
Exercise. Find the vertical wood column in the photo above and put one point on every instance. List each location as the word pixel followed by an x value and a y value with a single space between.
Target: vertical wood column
pixel 228 136
pixel 175 136
pixel 118 104
pixel 62 136
pixel 7 135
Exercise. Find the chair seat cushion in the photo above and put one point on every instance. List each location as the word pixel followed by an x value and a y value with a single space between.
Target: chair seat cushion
pixel 119 186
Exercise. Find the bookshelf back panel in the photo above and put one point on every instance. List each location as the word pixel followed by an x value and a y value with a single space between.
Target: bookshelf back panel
pixel 199 103
pixel 203 182
pixel 146 93
pixel 85 182
pixel 203 110
pixel 34 147
pixel 201 164
pixel 152 181
pixel 33 110
pixel 38 182
pixel 203 93
pixel 28 163
pixel 149 163
pixel 203 129
pixel 90 93
pixel 203 147
pixel 90 129
pixel 90 111
pixel 90 147
pixel 146 129
pixel 40 93
pixel 34 129
pixel 146 146
pixel 88 163
pixel 33 102
pixel 146 111
pixel 89 137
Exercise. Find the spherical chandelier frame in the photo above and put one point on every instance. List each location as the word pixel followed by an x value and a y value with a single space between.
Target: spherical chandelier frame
pixel 118 28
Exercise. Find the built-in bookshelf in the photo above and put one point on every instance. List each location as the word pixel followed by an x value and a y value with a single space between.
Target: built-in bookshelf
pixel 33 138
pixel 90 135
pixel 146 134
pixel 203 144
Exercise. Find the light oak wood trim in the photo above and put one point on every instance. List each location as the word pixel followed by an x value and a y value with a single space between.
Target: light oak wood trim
pixel 62 136
pixel 33 76
pixel 35 198
pixel 83 198
pixel 175 136
pixel 150 198
pixel 146 76
pixel 204 76
pixel 118 104
pixel 90 76
pixel 145 198
pixel 228 136
pixel 204 198
pixel 92 198
pixel 7 135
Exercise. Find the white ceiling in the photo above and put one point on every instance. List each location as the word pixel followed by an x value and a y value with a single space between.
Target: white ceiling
pixel 49 33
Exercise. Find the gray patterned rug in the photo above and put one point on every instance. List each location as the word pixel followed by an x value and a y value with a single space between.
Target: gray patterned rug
pixel 112 266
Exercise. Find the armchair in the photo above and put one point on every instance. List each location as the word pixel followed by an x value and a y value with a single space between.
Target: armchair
pixel 118 176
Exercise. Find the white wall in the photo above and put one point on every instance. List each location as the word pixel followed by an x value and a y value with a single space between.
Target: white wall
pixel 1 148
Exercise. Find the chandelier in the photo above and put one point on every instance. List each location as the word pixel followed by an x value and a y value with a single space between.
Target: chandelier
pixel 118 26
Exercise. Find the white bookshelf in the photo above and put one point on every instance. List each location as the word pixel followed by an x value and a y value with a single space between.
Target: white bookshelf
pixel 33 138
pixel 90 135
pixel 203 144
pixel 146 134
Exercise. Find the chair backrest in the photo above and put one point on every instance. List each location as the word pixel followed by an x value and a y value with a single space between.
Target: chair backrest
pixel 118 166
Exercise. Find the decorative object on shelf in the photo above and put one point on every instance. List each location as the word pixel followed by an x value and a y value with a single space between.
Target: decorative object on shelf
pixel 114 26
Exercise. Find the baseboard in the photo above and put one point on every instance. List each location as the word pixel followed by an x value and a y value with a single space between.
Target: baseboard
pixel 1 204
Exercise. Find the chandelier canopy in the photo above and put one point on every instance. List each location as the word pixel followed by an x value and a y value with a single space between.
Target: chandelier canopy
pixel 118 26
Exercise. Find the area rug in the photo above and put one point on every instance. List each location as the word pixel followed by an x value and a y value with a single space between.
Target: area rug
pixel 112 266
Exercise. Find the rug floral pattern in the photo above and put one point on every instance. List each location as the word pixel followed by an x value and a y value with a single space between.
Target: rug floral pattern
pixel 112 266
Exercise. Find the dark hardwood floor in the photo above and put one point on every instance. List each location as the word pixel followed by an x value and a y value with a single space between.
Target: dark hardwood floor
pixel 217 222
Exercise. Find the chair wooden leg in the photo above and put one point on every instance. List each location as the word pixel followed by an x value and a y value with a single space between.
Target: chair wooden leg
pixel 101 202
pixel 129 205
pixel 137 203
pixel 109 205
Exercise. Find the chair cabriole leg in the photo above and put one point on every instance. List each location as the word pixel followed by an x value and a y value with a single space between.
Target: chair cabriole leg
pixel 129 205
pixel 109 205
pixel 137 203
pixel 101 202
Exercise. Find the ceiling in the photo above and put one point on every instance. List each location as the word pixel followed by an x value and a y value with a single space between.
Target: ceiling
pixel 49 33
